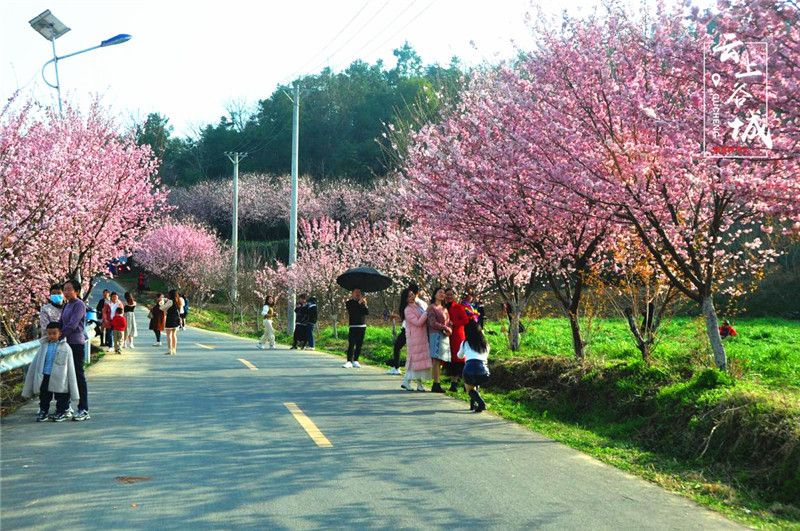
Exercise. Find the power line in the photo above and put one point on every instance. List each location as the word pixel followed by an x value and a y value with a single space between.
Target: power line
pixel 329 43
pixel 395 34
pixel 356 34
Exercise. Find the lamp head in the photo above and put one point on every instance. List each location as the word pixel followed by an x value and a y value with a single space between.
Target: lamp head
pixel 117 39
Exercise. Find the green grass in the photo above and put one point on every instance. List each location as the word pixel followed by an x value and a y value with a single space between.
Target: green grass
pixel 766 351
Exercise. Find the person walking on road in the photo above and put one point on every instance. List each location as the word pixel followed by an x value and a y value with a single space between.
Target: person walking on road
pixel 119 325
pixel 172 307
pixel 184 310
pixel 311 319
pixel 51 310
pixel 131 330
pixel 400 340
pixel 73 324
pixel 475 351
pixel 439 330
pixel 459 317
pixel 300 337
pixel 418 359
pixel 267 314
pixel 357 311
pixel 105 325
pixel 51 374
pixel 158 319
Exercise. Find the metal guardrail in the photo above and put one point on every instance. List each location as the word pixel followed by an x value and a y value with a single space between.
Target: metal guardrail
pixel 22 354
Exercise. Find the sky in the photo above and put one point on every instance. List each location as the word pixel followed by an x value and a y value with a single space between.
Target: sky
pixel 190 61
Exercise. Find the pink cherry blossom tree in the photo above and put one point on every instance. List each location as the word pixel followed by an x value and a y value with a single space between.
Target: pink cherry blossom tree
pixel 187 255
pixel 75 195
pixel 622 99
pixel 476 174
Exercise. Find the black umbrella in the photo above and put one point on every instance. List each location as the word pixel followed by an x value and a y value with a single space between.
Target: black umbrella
pixel 366 279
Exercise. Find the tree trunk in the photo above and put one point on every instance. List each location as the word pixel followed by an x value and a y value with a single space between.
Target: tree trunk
pixel 712 328
pixel 513 330
pixel 577 341
pixel 335 330
pixel 641 343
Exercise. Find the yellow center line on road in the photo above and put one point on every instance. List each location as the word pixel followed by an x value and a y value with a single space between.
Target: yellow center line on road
pixel 248 364
pixel 204 346
pixel 308 425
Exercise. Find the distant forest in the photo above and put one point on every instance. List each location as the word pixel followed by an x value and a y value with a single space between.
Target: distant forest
pixel 343 117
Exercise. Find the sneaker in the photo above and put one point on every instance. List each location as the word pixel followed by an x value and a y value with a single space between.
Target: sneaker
pixel 61 417
pixel 157 344
pixel 357 365
pixel 260 347
pixel 453 387
pixel 393 372
pixel 420 387
pixel 437 388
pixel 41 416
pixel 406 386
pixel 348 365
pixel 81 415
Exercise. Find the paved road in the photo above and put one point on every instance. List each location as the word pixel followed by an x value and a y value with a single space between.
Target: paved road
pixel 222 451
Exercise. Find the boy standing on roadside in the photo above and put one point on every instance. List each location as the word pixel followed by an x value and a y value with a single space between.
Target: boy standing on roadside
pixel 52 374
pixel 118 325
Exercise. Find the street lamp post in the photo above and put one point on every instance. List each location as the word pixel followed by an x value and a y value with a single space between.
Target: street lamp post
pixel 51 28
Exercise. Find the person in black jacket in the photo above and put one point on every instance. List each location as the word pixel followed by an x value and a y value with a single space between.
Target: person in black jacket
pixel 357 312
pixel 311 319
pixel 300 320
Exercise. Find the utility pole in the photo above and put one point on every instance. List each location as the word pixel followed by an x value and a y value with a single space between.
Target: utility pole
pixel 292 298
pixel 235 157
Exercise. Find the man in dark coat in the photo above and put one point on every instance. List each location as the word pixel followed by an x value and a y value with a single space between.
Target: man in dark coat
pixel 300 322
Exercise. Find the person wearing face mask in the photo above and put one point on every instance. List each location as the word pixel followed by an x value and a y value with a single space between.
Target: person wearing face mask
pixel 51 310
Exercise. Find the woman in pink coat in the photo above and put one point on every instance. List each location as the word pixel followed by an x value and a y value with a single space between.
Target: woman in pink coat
pixel 418 360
